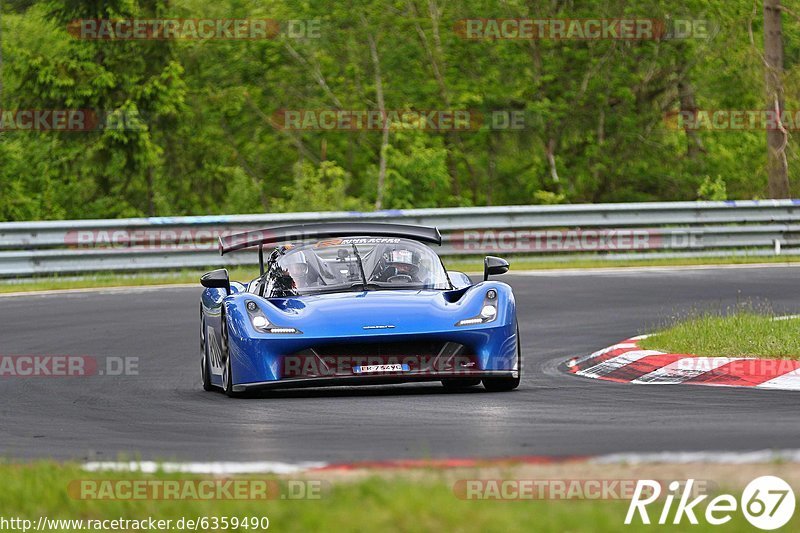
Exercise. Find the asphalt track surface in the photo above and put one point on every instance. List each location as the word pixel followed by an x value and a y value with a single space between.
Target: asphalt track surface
pixel 163 413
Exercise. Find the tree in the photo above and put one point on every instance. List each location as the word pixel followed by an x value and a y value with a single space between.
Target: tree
pixel 777 137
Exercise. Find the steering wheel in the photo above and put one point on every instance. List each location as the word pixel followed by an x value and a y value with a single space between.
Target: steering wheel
pixel 403 268
pixel 400 278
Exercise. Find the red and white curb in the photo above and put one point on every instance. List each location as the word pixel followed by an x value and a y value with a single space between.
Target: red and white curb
pixel 626 362
pixel 309 467
pixel 219 468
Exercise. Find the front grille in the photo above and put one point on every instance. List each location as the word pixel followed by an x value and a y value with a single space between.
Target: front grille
pixel 330 360
pixel 426 348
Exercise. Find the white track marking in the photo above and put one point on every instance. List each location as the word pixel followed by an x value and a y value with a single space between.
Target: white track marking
pixel 620 346
pixel 786 317
pixel 721 457
pixel 102 290
pixel 614 363
pixel 640 269
pixel 218 468
pixel 789 381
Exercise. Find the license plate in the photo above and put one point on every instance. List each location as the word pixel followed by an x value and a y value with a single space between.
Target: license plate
pixel 371 369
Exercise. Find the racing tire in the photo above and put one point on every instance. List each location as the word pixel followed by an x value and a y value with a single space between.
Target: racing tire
pixel 460 383
pixel 227 374
pixel 506 384
pixel 204 370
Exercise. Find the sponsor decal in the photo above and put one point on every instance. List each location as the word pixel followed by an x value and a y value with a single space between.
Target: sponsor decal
pixel 364 240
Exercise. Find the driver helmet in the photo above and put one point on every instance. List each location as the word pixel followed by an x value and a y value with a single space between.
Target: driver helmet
pixel 296 264
pixel 402 259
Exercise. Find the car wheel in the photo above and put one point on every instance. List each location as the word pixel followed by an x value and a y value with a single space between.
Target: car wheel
pixel 205 371
pixel 227 373
pixel 506 384
pixel 460 383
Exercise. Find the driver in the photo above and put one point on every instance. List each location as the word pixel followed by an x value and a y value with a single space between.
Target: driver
pixel 401 266
pixel 296 265
pixel 403 261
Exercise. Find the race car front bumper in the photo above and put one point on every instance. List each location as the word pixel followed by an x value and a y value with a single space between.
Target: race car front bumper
pixel 374 379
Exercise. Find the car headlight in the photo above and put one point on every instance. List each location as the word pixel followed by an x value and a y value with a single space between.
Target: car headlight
pixel 262 324
pixel 488 311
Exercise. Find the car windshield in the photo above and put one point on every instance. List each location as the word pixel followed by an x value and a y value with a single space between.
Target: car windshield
pixel 354 263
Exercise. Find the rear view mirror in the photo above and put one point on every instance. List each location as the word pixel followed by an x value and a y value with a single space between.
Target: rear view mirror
pixel 217 279
pixel 494 266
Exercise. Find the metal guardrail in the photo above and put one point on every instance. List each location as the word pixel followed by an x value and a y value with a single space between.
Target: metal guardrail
pixel 614 231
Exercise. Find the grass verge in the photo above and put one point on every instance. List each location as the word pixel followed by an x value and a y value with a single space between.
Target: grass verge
pixel 744 332
pixel 471 265
pixel 376 503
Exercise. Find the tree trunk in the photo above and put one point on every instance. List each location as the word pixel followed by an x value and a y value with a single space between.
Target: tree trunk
pixel 382 108
pixel 1 55
pixel 694 145
pixel 777 166
pixel 151 206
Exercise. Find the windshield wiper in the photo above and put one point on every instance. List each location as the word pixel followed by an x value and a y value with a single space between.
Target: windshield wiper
pixel 360 266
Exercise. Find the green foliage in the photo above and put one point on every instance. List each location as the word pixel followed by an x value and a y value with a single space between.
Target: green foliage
pixel 712 189
pixel 548 198
pixel 201 135
pixel 319 188
pixel 425 499
pixel 416 172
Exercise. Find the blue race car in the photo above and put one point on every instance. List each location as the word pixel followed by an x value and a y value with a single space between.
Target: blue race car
pixel 355 304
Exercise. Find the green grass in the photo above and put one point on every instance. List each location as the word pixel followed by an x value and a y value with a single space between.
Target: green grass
pixel 470 265
pixel 746 331
pixel 426 503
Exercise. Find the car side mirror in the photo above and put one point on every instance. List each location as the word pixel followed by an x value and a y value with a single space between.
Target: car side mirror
pixel 494 266
pixel 217 279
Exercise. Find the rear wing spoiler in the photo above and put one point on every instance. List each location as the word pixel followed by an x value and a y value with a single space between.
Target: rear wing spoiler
pixel 300 232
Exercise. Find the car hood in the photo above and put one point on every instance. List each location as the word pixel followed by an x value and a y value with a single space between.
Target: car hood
pixel 377 312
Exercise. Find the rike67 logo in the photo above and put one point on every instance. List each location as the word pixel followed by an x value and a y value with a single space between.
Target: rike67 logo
pixel 767 502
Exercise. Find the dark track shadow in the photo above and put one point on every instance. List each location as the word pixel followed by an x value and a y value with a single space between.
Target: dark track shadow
pixel 364 391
